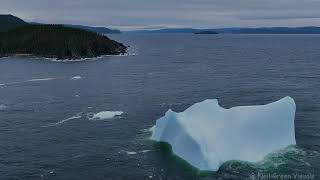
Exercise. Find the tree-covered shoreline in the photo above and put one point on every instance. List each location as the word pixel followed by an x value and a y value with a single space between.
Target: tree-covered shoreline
pixel 57 41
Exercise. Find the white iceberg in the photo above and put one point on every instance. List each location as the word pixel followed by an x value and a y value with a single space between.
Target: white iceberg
pixel 207 135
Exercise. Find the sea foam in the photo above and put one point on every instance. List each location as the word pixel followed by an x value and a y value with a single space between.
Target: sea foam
pixel 44 79
pixel 77 116
pixel 76 78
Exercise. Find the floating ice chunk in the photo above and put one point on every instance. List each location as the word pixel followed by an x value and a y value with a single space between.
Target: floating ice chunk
pixel 76 78
pixel 105 115
pixel 207 135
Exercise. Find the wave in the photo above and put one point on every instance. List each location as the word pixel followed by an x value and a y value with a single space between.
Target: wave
pixel 289 155
pixel 26 81
pixel 77 116
pixel 131 51
pixel 282 159
pixel 9 83
pixel 103 115
pixel 40 79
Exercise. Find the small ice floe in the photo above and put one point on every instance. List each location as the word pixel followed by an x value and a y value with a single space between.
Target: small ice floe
pixel 3 107
pixel 44 79
pixel 103 115
pixel 78 116
pixel 75 78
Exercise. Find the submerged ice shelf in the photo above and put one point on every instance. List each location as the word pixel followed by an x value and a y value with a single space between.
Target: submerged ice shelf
pixel 207 135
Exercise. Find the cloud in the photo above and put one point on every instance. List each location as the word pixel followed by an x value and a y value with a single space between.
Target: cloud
pixel 141 14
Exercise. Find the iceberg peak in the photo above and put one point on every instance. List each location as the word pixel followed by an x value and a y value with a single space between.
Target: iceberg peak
pixel 207 135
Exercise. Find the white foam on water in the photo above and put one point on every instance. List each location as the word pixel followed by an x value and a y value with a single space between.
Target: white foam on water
pixel 78 116
pixel 131 152
pixel 44 79
pixel 131 51
pixel 145 151
pixel 75 78
pixel 103 115
pixel 26 81
pixel 9 83
pixel 91 59
pixel 136 152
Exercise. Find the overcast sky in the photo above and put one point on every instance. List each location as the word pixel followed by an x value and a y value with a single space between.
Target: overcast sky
pixel 153 14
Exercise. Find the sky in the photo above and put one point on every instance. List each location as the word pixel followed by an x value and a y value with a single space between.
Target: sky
pixel 157 14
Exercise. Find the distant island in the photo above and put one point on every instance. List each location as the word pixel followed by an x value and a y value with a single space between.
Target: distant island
pixel 206 32
pixel 18 37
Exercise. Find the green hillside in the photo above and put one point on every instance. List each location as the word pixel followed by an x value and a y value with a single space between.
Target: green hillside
pixel 8 22
pixel 57 41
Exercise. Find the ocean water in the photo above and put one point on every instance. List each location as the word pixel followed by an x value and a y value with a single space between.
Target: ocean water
pixel 47 129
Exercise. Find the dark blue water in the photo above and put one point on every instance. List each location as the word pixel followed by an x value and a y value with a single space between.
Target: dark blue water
pixel 168 71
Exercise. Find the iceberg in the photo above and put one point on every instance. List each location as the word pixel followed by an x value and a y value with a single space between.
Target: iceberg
pixel 206 135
